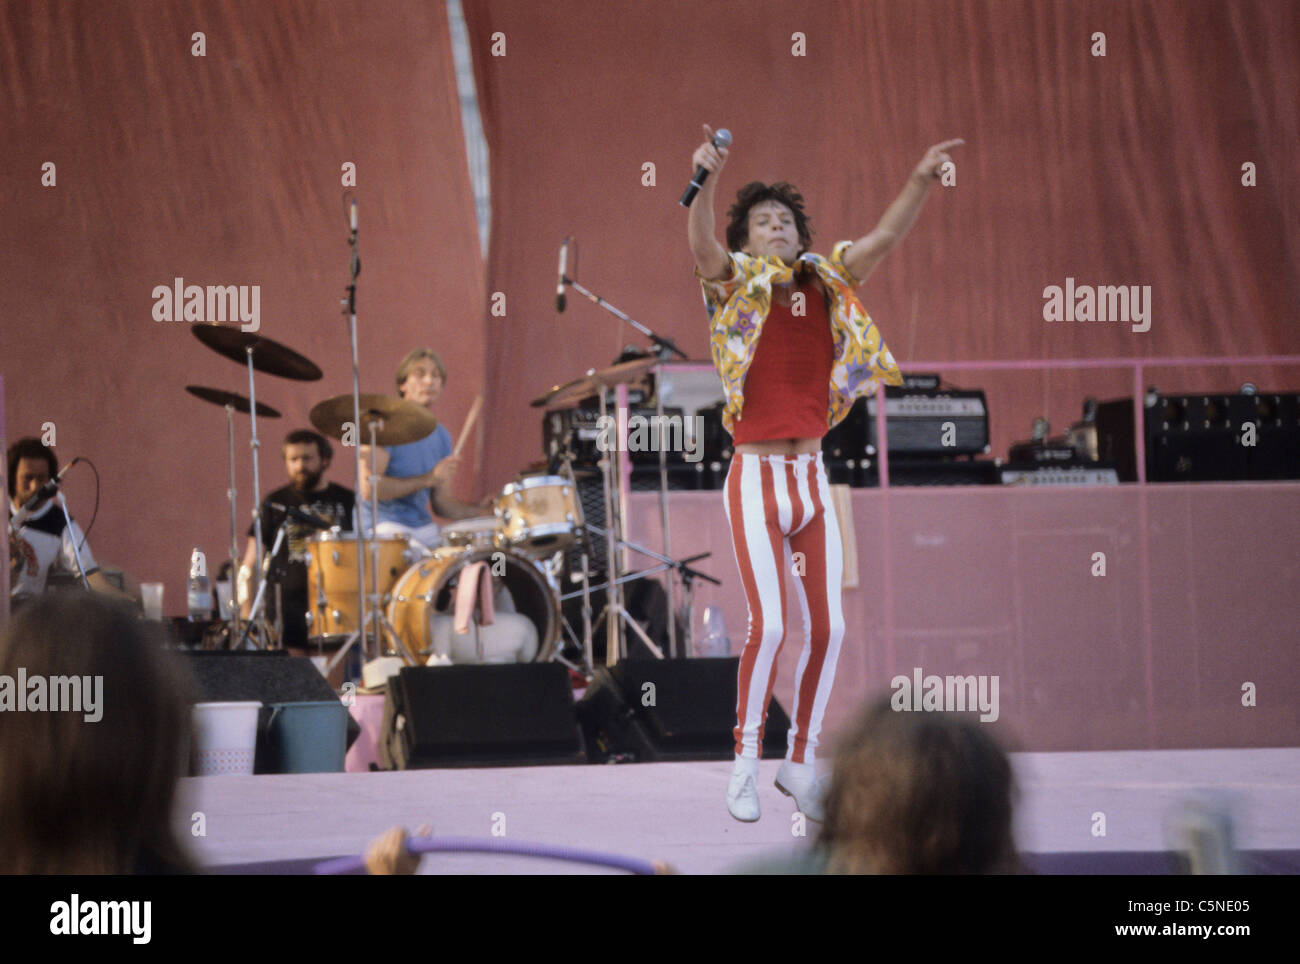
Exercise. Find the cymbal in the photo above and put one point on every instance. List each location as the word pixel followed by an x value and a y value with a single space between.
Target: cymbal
pixel 268 355
pixel 397 421
pixel 218 397
pixel 590 384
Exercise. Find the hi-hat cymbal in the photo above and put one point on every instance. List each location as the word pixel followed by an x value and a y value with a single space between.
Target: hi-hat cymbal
pixel 268 355
pixel 397 421
pixel 573 392
pixel 218 397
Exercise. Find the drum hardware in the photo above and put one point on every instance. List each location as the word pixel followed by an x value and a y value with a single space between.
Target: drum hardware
pixel 232 402
pixel 261 354
pixel 388 421
pixel 474 533
pixel 614 611
pixel 382 419
pixel 621 374
pixel 255 612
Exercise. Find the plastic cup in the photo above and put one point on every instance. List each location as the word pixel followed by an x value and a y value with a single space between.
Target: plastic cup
pixel 151 596
pixel 223 599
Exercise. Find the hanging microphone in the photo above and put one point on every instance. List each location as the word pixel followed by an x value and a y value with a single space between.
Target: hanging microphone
pixel 721 138
pixel 560 279
pixel 40 495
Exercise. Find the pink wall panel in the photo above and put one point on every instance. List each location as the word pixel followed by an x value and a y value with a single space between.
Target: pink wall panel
pixel 999 582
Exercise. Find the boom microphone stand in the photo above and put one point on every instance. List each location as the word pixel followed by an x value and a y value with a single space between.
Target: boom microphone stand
pixel 663 347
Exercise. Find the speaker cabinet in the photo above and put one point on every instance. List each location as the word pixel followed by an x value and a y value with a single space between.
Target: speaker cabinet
pixel 685 709
pixel 473 716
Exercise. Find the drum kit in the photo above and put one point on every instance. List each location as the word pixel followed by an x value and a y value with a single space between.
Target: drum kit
pixel 395 596
pixel 535 517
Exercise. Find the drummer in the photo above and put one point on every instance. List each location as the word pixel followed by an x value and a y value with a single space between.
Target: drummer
pixel 415 479
pixel 307 457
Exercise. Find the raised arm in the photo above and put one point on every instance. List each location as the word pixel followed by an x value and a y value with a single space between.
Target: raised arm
pixel 865 253
pixel 710 257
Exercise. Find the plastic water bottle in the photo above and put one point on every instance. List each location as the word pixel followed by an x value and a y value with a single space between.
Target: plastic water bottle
pixel 713 641
pixel 200 593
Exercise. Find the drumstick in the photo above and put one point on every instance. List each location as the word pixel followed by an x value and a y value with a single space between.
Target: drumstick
pixel 469 424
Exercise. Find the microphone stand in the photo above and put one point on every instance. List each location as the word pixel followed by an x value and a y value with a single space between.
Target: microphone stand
pixel 76 552
pixel 350 309
pixel 663 347
pixel 255 613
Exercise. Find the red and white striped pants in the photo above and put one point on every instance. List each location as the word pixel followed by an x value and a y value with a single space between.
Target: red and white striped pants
pixel 785 535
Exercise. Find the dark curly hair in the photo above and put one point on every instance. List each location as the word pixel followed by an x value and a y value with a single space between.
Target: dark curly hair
pixel 30 448
pixel 756 192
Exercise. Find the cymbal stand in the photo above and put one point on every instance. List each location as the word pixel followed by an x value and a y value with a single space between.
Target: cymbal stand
pixel 662 351
pixel 567 472
pixel 614 612
pixel 255 445
pixel 231 495
pixel 372 625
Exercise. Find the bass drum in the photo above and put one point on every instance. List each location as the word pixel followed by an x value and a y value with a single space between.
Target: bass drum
pixel 427 590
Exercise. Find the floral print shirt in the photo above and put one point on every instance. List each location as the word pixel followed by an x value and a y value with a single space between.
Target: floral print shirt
pixel 739 305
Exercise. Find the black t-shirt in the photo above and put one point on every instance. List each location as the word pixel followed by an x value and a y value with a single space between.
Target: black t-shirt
pixel 333 504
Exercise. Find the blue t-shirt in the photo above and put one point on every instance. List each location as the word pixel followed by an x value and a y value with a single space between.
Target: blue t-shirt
pixel 405 461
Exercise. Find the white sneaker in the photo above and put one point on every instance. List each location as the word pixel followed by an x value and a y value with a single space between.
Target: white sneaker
pixel 800 781
pixel 742 791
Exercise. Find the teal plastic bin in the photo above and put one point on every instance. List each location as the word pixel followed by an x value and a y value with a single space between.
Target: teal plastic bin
pixel 307 737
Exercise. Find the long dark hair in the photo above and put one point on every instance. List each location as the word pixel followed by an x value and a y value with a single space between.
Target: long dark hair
pixel 919 793
pixel 92 796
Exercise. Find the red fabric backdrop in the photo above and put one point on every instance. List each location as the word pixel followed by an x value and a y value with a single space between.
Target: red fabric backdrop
pixel 1117 170
pixel 222 169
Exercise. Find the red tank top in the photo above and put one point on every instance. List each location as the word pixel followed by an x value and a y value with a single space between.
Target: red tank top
pixel 788 381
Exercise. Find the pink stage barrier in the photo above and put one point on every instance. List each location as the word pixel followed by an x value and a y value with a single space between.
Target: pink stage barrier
pixel 1199 601
pixel 1134 616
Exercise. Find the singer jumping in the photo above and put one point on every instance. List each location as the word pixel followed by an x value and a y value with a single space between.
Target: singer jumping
pixel 820 352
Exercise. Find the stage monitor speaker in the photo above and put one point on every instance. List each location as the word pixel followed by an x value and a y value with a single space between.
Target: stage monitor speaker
pixel 472 716
pixel 268 677
pixel 647 709
pixel 271 678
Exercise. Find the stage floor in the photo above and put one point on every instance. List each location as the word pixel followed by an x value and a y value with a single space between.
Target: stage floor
pixel 676 812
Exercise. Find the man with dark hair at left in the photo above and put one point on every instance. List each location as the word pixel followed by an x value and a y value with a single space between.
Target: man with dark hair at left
pixel 46 542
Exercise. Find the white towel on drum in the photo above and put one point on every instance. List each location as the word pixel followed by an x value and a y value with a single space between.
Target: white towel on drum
pixel 511 639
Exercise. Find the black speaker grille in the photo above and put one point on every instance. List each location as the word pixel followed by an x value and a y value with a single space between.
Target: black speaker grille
pixel 507 715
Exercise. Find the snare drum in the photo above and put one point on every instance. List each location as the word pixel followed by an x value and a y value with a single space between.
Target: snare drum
pixel 425 595
pixel 474 533
pixel 333 610
pixel 539 514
